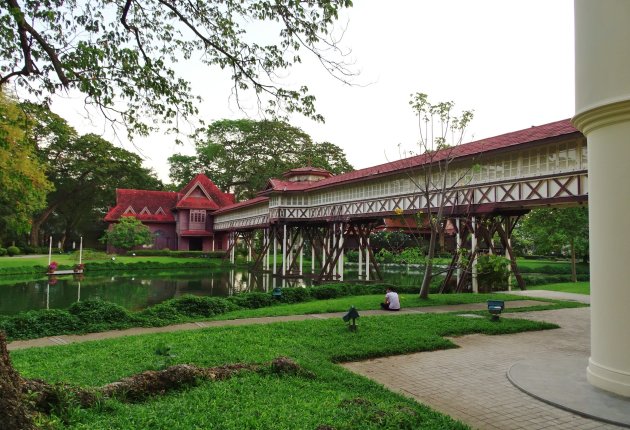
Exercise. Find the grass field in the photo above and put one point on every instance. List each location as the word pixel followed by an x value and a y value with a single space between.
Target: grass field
pixel 565 287
pixel 332 398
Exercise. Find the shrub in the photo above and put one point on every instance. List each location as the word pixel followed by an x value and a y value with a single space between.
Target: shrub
pixel 34 324
pixel 3 251
pixel 96 311
pixel 411 256
pixel 13 250
pixel 253 300
pixel 385 256
pixel 194 306
pixel 184 254
pixel 295 295
pixel 492 272
pixel 324 292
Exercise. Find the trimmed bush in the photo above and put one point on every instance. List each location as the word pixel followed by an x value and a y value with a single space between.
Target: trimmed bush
pixel 324 292
pixel 3 252
pixel 194 306
pixel 33 324
pixel 98 312
pixel 253 300
pixel 13 250
pixel 295 295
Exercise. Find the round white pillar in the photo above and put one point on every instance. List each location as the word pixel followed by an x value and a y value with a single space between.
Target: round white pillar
pixel 602 70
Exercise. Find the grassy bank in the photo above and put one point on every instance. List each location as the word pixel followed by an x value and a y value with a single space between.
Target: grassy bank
pixel 332 398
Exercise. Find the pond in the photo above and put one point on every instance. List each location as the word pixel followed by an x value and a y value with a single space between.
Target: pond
pixel 142 289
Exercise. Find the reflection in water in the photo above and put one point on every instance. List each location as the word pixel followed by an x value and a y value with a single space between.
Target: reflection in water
pixel 142 289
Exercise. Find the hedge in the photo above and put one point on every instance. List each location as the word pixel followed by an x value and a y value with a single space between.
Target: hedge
pixel 97 315
pixel 169 253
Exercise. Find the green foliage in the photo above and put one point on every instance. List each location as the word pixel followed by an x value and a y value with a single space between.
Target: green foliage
pixel 492 273
pixel 3 251
pixel 95 311
pixel 23 183
pixel 198 306
pixel 551 231
pixel 13 250
pixel 35 324
pixel 128 233
pixel 243 154
pixel 395 241
pixel 184 254
pixel 252 300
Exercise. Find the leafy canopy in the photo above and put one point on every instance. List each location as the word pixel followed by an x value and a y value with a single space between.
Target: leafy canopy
pixel 121 54
pixel 128 233
pixel 23 183
pixel 241 155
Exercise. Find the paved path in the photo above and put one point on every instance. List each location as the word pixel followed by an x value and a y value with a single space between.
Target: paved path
pixel 470 383
pixel 66 339
pixel 555 295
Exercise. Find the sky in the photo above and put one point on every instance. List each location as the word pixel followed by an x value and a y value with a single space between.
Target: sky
pixel 511 62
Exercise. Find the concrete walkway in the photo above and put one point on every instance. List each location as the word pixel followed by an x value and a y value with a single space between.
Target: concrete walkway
pixel 554 295
pixel 470 383
pixel 67 339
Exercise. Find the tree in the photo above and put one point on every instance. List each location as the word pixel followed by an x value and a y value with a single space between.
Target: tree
pixel 241 155
pixel 23 183
pixel 121 54
pixel 554 230
pixel 85 171
pixel 128 233
pixel 440 133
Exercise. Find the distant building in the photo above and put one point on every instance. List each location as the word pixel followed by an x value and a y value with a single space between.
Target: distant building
pixel 179 220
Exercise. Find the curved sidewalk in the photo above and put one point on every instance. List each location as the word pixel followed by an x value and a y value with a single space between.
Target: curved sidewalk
pixel 67 339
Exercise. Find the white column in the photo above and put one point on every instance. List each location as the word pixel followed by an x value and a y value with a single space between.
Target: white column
pixel 301 242
pixel 284 250
pixel 341 253
pixel 275 251
pixel 360 258
pixel 249 250
pixel 507 254
pixel 475 285
pixel 458 245
pixel 602 99
pixel 367 260
pixel 335 244
pixel 267 244
pixel 312 255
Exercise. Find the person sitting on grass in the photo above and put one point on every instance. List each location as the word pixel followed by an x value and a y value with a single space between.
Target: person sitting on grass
pixel 392 302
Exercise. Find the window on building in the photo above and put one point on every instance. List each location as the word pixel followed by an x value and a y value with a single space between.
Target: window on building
pixel 198 216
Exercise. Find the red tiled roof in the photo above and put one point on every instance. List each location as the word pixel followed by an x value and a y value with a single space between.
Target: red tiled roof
pixel 249 202
pixel 219 197
pixel 528 135
pixel 317 171
pixel 197 203
pixel 138 200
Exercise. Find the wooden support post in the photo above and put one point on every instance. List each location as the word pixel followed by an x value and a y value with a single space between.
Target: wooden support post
pixel 360 257
pixel 284 250
pixel 458 242
pixel 506 243
pixel 475 284
pixel 341 253
pixel 301 252
pixel 275 249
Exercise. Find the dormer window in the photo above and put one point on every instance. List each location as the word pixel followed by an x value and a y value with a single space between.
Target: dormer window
pixel 198 216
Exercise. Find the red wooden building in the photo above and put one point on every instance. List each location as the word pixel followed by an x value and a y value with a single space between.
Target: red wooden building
pixel 179 220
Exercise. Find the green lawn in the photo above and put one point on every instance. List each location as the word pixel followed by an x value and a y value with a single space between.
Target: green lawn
pixel 565 287
pixel 71 259
pixel 333 398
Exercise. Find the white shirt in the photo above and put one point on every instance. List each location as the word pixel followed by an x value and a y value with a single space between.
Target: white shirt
pixel 392 299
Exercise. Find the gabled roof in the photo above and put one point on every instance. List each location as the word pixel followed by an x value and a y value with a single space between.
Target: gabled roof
pixel 528 135
pixel 134 201
pixel 209 189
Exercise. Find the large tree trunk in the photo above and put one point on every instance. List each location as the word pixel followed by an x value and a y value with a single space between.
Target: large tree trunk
pixel 37 224
pixel 13 412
